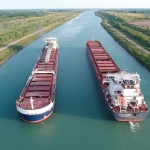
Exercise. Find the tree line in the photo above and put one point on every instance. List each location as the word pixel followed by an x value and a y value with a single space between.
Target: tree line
pixel 16 24
pixel 141 56
pixel 140 35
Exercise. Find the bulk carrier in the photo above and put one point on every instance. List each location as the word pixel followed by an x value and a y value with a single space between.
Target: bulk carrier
pixel 37 100
pixel 120 90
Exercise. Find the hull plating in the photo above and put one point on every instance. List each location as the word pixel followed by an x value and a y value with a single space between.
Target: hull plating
pixel 35 118
pixel 118 116
pixel 37 100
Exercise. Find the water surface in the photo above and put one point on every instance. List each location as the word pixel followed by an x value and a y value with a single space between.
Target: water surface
pixel 80 120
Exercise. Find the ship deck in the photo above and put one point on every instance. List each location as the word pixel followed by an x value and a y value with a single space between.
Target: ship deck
pixel 104 64
pixel 101 60
pixel 41 85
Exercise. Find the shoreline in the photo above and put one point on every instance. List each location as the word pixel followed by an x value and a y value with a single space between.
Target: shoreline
pixel 18 45
pixel 129 47
pixel 142 57
pixel 7 46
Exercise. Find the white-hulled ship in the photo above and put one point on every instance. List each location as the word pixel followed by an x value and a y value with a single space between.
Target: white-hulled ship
pixel 37 100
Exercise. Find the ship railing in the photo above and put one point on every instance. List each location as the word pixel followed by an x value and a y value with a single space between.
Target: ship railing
pixel 19 101
pixel 43 71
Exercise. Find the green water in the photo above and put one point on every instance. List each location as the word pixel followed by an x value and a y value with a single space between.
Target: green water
pixel 80 120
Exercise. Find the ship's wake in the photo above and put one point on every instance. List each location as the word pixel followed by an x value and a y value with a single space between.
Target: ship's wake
pixel 134 126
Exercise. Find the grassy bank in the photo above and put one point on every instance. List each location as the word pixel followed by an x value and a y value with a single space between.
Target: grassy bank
pixel 9 52
pixel 141 56
pixel 128 23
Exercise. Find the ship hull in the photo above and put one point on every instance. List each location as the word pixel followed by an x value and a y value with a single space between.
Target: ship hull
pixel 35 118
pixel 26 115
pixel 124 117
pixel 130 117
pixel 37 100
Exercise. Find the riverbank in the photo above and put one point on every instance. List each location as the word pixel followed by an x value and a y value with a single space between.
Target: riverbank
pixel 11 50
pixel 87 126
pixel 141 56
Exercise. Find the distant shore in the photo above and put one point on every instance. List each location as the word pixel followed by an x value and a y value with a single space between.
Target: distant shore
pixel 11 49
pixel 136 50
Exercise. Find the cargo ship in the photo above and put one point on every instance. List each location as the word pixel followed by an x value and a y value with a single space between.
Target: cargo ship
pixel 37 100
pixel 120 90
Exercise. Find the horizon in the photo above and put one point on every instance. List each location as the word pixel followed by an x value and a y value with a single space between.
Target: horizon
pixel 76 9
pixel 74 4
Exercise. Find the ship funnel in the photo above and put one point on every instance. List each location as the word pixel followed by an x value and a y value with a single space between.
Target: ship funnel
pixel 31 101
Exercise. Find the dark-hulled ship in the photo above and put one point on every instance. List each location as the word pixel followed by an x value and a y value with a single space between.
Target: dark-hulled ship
pixel 120 90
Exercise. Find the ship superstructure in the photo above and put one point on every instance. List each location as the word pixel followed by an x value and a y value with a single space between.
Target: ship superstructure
pixel 37 100
pixel 120 90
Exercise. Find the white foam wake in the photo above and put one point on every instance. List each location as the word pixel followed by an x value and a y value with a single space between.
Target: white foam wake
pixel 134 126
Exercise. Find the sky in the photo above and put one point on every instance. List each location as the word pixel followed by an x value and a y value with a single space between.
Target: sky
pixel 52 4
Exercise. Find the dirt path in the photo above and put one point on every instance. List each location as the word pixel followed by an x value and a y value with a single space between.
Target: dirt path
pixel 131 41
pixel 3 48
